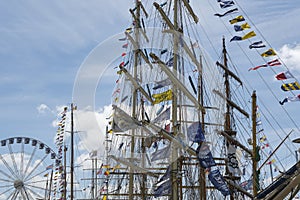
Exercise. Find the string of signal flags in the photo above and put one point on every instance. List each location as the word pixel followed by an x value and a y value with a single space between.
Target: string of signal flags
pixel 239 24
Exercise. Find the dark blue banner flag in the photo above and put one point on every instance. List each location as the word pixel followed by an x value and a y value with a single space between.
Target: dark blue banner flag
pixel 163 189
pixel 218 181
pixel 205 157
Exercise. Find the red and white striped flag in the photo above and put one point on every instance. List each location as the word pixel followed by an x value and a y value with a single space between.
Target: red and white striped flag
pixel 275 62
pixel 257 67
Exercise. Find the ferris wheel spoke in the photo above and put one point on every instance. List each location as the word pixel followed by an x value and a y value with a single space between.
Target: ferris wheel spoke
pixel 6 180
pixel 12 155
pixel 8 167
pixel 29 162
pixel 13 194
pixel 5 186
pixel 38 174
pixel 8 190
pixel 26 194
pixel 41 181
pixel 34 177
pixel 7 175
pixel 37 165
pixel 34 186
pixel 33 192
pixel 22 159
pixel 23 195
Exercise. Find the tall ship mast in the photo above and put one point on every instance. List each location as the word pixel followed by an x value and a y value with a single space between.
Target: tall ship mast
pixel 184 126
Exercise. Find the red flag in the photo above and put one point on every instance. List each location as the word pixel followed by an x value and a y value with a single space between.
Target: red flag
pixel 123 54
pixel 284 75
pixel 167 127
pixel 122 64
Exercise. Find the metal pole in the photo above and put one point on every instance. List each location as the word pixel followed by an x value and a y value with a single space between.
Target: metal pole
pixel 65 172
pixel 271 171
pixel 93 179
pixel 72 152
pixel 46 191
pixel 51 178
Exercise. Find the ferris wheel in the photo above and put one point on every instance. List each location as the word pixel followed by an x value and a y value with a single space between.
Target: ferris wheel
pixel 26 168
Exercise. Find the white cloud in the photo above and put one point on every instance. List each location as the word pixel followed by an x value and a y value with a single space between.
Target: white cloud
pixel 290 54
pixel 43 108
pixel 92 128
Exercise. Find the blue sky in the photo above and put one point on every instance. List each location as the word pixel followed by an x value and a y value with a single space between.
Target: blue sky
pixel 42 47
pixel 44 43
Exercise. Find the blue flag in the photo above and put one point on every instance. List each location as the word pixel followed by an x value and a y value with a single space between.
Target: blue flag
pixel 163 189
pixel 226 13
pixel 166 175
pixel 218 181
pixel 236 38
pixel 205 157
pixel 258 44
pixel 170 62
pixel 195 133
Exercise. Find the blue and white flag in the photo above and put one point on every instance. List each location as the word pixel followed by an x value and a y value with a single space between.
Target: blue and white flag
pixel 166 175
pixel 233 164
pixel 205 157
pixel 256 45
pixel 226 4
pixel 163 189
pixel 195 133
pixel 218 181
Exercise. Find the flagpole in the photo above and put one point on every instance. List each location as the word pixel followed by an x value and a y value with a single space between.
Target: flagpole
pixel 46 191
pixel 134 96
pixel 202 176
pixel 72 152
pixel 65 172
pixel 106 152
pixel 51 177
pixel 93 179
pixel 96 180
pixel 271 171
pixel 255 181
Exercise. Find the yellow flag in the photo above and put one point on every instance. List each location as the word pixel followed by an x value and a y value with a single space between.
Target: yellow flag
pixel 104 197
pixel 164 96
pixel 249 35
pixel 110 131
pixel 245 26
pixel 268 53
pixel 237 19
